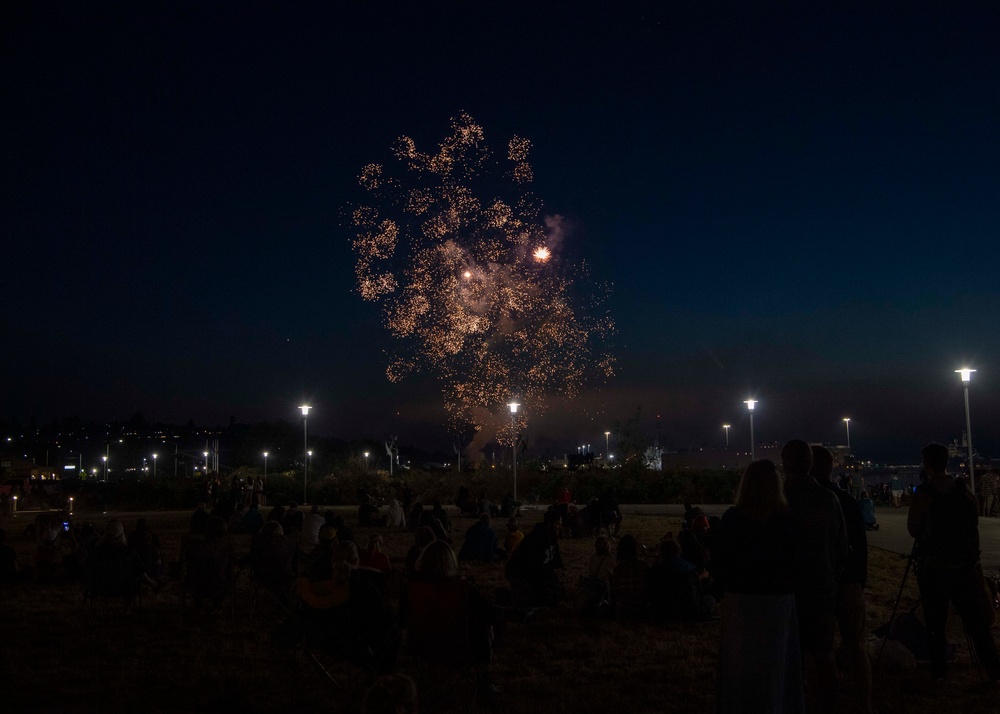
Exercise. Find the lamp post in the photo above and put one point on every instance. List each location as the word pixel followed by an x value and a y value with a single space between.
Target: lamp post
pixel 966 378
pixel 607 444
pixel 154 465
pixel 305 450
pixel 750 405
pixel 105 458
pixel 206 461
pixel 513 440
pixel 847 423
pixel 265 464
pixel 366 461
pixel 726 427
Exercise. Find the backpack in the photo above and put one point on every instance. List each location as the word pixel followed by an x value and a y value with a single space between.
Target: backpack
pixel 950 538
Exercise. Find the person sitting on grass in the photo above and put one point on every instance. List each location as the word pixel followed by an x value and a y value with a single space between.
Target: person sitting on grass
pixel 694 543
pixel 629 591
pixel 253 521
pixel 113 546
pixel 199 518
pixel 311 523
pixel 208 563
pixel 609 512
pixel 427 519
pixel 513 537
pixel 868 511
pixel 273 558
pixel 345 614
pixel 294 519
pixel 442 516
pixel 374 564
pixel 675 590
pixel 480 541
pixel 596 582
pixel 467 505
pixel 438 567
pixel 146 545
pixel 344 532
pixel 423 537
pixel 535 567
pixel 509 506
pixel 395 517
pixel 413 518
pixel 9 571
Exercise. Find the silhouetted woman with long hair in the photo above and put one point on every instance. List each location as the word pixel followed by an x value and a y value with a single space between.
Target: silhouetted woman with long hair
pixel 760 667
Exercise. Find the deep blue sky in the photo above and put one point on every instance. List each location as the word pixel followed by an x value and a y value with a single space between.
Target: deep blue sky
pixel 797 205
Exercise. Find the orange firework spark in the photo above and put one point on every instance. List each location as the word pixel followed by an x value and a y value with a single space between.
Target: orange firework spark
pixel 451 263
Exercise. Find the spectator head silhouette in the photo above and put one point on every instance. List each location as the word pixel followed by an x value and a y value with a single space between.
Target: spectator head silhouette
pixel 760 493
pixel 796 458
pixel 935 459
pixel 822 468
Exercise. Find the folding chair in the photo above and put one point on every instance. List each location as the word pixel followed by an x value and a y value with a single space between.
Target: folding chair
pixel 272 573
pixel 437 636
pixel 208 574
pixel 112 579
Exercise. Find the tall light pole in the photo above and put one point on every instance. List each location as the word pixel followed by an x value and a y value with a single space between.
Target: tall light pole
pixel 154 465
pixel 305 450
pixel 726 427
pixel 206 462
pixel 105 457
pixel 607 444
pixel 513 440
pixel 847 423
pixel 265 464
pixel 750 405
pixel 966 378
pixel 366 461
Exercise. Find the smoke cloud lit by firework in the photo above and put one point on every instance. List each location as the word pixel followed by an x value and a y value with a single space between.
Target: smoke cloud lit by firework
pixel 473 280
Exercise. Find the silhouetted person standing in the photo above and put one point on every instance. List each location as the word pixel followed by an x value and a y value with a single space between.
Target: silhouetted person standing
pixel 944 519
pixel 820 557
pixel 851 610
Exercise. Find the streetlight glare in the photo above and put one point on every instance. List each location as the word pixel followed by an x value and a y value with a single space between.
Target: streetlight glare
pixel 966 373
pixel 750 403
pixel 513 407
pixel 305 409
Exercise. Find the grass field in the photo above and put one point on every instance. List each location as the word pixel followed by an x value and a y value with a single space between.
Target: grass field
pixel 62 656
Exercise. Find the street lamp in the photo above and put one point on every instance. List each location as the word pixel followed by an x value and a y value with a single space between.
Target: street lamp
pixel 206 461
pixel 966 378
pixel 305 448
pixel 750 405
pixel 154 465
pixel 366 461
pixel 607 444
pixel 727 427
pixel 265 464
pixel 105 467
pixel 513 437
pixel 847 423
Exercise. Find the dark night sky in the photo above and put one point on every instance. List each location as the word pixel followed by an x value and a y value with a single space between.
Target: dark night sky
pixel 798 205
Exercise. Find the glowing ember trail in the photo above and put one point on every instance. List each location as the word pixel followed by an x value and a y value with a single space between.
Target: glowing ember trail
pixel 457 250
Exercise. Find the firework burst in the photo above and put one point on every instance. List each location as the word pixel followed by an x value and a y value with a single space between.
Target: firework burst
pixel 456 249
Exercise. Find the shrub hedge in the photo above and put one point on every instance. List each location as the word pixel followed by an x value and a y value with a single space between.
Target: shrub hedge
pixel 632 484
